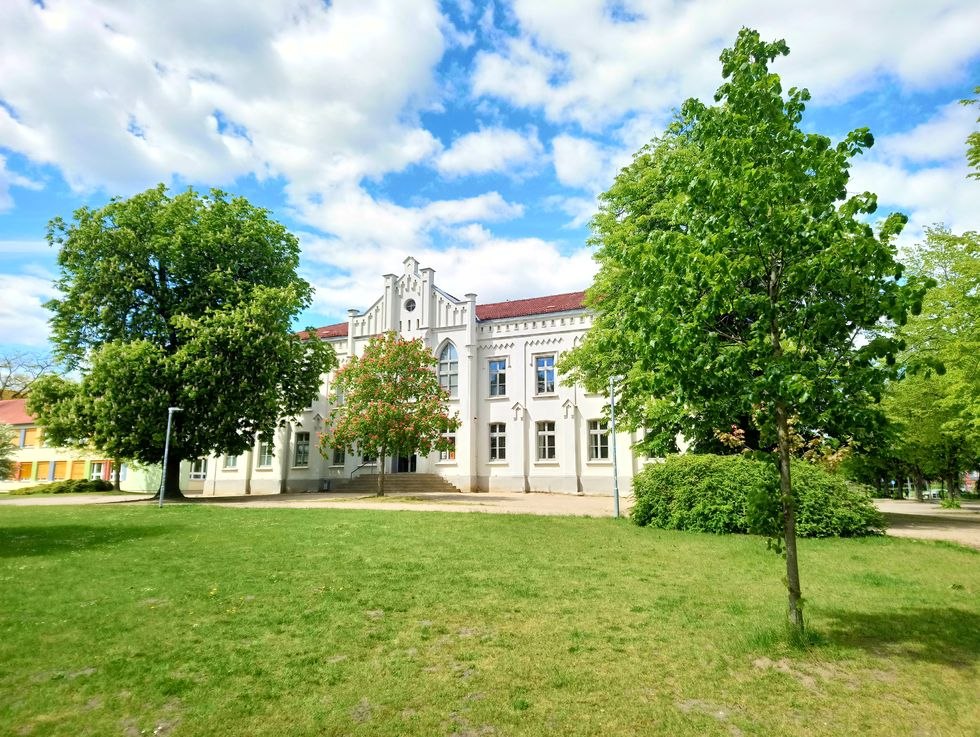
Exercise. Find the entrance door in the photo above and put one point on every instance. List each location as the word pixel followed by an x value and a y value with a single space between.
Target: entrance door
pixel 406 464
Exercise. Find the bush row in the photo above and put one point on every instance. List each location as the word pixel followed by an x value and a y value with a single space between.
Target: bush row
pixel 720 494
pixel 69 486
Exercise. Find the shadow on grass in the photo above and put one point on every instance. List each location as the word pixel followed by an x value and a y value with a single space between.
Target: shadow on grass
pixel 56 539
pixel 944 636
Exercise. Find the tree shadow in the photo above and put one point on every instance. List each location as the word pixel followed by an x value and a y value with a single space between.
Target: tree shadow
pixel 947 636
pixel 22 541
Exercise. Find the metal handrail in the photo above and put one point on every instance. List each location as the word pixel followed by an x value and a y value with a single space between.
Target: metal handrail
pixel 366 463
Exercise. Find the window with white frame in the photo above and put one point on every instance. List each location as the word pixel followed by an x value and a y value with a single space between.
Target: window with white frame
pixel 301 450
pixel 339 457
pixel 265 454
pixel 199 469
pixel 544 370
pixel 230 462
pixel 449 452
pixel 498 377
pixel 598 440
pixel 96 470
pixel 546 441
pixel 498 441
pixel 449 370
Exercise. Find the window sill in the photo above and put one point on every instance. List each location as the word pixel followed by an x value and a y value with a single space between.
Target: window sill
pixel 299 468
pixel 233 469
pixel 447 463
pixel 546 395
pixel 264 469
pixel 548 462
pixel 498 398
pixel 498 462
pixel 599 462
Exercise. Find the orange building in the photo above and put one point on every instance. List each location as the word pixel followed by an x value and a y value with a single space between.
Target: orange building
pixel 36 462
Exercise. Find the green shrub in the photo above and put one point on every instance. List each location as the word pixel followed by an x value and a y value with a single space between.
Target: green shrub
pixel 721 494
pixel 68 486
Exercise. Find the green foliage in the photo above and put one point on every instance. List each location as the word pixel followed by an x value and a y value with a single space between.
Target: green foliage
pixel 973 142
pixel 7 437
pixel 183 300
pixel 389 400
pixel 736 274
pixel 736 277
pixel 935 409
pixel 68 486
pixel 725 494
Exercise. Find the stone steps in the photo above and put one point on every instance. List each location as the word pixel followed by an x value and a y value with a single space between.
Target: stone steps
pixel 400 483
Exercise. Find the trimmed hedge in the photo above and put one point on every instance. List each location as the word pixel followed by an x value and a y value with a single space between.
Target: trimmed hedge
pixel 724 494
pixel 69 486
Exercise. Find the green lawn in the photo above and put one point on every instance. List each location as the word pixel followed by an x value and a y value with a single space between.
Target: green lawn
pixel 197 620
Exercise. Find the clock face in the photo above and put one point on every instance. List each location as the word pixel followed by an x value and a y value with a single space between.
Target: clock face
pixel 409 305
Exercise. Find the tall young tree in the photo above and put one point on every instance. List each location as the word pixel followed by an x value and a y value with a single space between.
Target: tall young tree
pixel 389 401
pixel 6 451
pixel 937 413
pixel 737 276
pixel 183 300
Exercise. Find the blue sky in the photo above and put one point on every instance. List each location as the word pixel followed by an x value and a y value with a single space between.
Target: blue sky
pixel 473 136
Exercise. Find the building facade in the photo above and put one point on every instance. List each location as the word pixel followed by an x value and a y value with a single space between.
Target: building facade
pixel 521 428
pixel 36 462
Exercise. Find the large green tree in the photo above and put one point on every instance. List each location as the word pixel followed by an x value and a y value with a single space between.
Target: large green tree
pixel 973 141
pixel 388 401
pixel 181 300
pixel 936 408
pixel 737 277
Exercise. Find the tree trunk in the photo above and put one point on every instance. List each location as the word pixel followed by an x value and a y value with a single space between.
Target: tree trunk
pixel 789 521
pixel 381 475
pixel 172 488
pixel 920 486
pixel 115 475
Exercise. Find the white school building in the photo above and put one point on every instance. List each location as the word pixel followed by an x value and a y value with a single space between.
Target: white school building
pixel 521 428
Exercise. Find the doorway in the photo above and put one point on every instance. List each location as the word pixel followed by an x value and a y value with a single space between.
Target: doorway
pixel 405 464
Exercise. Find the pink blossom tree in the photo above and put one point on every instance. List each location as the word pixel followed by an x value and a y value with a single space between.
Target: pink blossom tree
pixel 389 400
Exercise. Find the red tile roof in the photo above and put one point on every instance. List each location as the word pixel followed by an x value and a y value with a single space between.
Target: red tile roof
pixel 14 412
pixel 337 330
pixel 492 311
pixel 533 306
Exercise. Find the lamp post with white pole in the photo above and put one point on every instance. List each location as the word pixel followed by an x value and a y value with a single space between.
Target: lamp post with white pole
pixel 612 429
pixel 166 449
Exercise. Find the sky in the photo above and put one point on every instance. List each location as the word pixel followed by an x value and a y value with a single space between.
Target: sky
pixel 473 136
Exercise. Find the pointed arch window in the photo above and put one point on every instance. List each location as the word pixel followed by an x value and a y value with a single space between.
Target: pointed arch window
pixel 449 370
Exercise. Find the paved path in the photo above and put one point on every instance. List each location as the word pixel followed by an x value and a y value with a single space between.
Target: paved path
pixel 495 503
pixel 929 521
pixel 923 520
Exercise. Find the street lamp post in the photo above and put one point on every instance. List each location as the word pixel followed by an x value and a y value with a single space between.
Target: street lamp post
pixel 612 418
pixel 166 449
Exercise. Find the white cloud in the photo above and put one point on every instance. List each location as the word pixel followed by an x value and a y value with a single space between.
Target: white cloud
pixel 10 179
pixel 122 96
pixel 578 63
pixel 579 162
pixel 941 138
pixel 475 260
pixel 923 172
pixel 491 150
pixel 23 319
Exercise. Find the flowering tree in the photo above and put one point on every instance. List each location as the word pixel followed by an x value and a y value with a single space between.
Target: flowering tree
pixel 389 400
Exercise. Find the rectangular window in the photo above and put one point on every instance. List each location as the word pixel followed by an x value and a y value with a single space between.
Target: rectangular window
pixel 598 440
pixel 498 441
pixel 265 454
pixel 498 377
pixel 339 457
pixel 301 453
pixel 369 457
pixel 449 454
pixel 95 470
pixel 60 470
pixel 544 369
pixel 199 469
pixel 30 438
pixel 231 462
pixel 546 441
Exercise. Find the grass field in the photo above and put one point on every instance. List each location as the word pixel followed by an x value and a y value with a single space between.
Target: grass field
pixel 196 620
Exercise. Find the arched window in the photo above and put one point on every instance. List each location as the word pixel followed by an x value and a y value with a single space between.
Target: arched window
pixel 449 370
